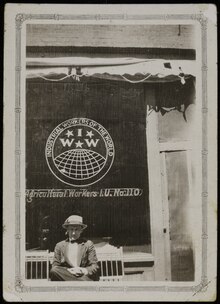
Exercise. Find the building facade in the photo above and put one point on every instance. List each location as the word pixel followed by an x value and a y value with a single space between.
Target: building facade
pixel 141 196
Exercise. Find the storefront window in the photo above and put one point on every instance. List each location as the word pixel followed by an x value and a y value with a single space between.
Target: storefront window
pixel 176 123
pixel 116 207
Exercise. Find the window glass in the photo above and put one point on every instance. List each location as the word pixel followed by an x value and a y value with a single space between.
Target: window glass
pixel 120 215
pixel 172 125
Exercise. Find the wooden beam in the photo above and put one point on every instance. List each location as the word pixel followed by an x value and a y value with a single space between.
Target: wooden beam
pixel 175 146
pixel 69 51
pixel 155 195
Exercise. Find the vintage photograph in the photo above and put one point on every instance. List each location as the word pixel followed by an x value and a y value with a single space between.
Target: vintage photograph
pixel 87 113
pixel 110 158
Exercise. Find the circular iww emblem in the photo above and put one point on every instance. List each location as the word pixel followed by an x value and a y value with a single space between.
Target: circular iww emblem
pixel 79 152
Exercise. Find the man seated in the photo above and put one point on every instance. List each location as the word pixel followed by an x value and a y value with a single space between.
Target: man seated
pixel 74 258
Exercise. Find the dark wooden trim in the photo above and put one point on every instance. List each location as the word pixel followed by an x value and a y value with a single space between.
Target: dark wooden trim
pixel 139 264
pixel 58 51
pixel 132 272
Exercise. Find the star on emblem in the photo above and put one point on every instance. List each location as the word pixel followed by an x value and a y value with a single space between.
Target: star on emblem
pixel 89 133
pixel 79 144
pixel 69 133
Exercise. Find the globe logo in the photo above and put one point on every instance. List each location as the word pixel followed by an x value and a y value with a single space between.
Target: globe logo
pixel 79 164
pixel 79 152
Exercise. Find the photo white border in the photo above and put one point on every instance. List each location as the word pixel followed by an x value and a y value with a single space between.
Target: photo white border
pixel 17 16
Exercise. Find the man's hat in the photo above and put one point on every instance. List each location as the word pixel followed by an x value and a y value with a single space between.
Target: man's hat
pixel 74 220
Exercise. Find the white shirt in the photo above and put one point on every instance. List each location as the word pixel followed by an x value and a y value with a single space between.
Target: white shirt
pixel 71 253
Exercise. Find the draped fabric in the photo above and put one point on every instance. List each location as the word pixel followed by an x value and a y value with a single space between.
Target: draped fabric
pixel 173 96
pixel 127 69
pixel 175 79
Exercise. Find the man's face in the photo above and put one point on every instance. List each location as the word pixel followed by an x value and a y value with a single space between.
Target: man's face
pixel 74 231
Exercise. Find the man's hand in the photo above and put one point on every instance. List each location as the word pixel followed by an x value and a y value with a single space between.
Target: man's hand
pixel 78 271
